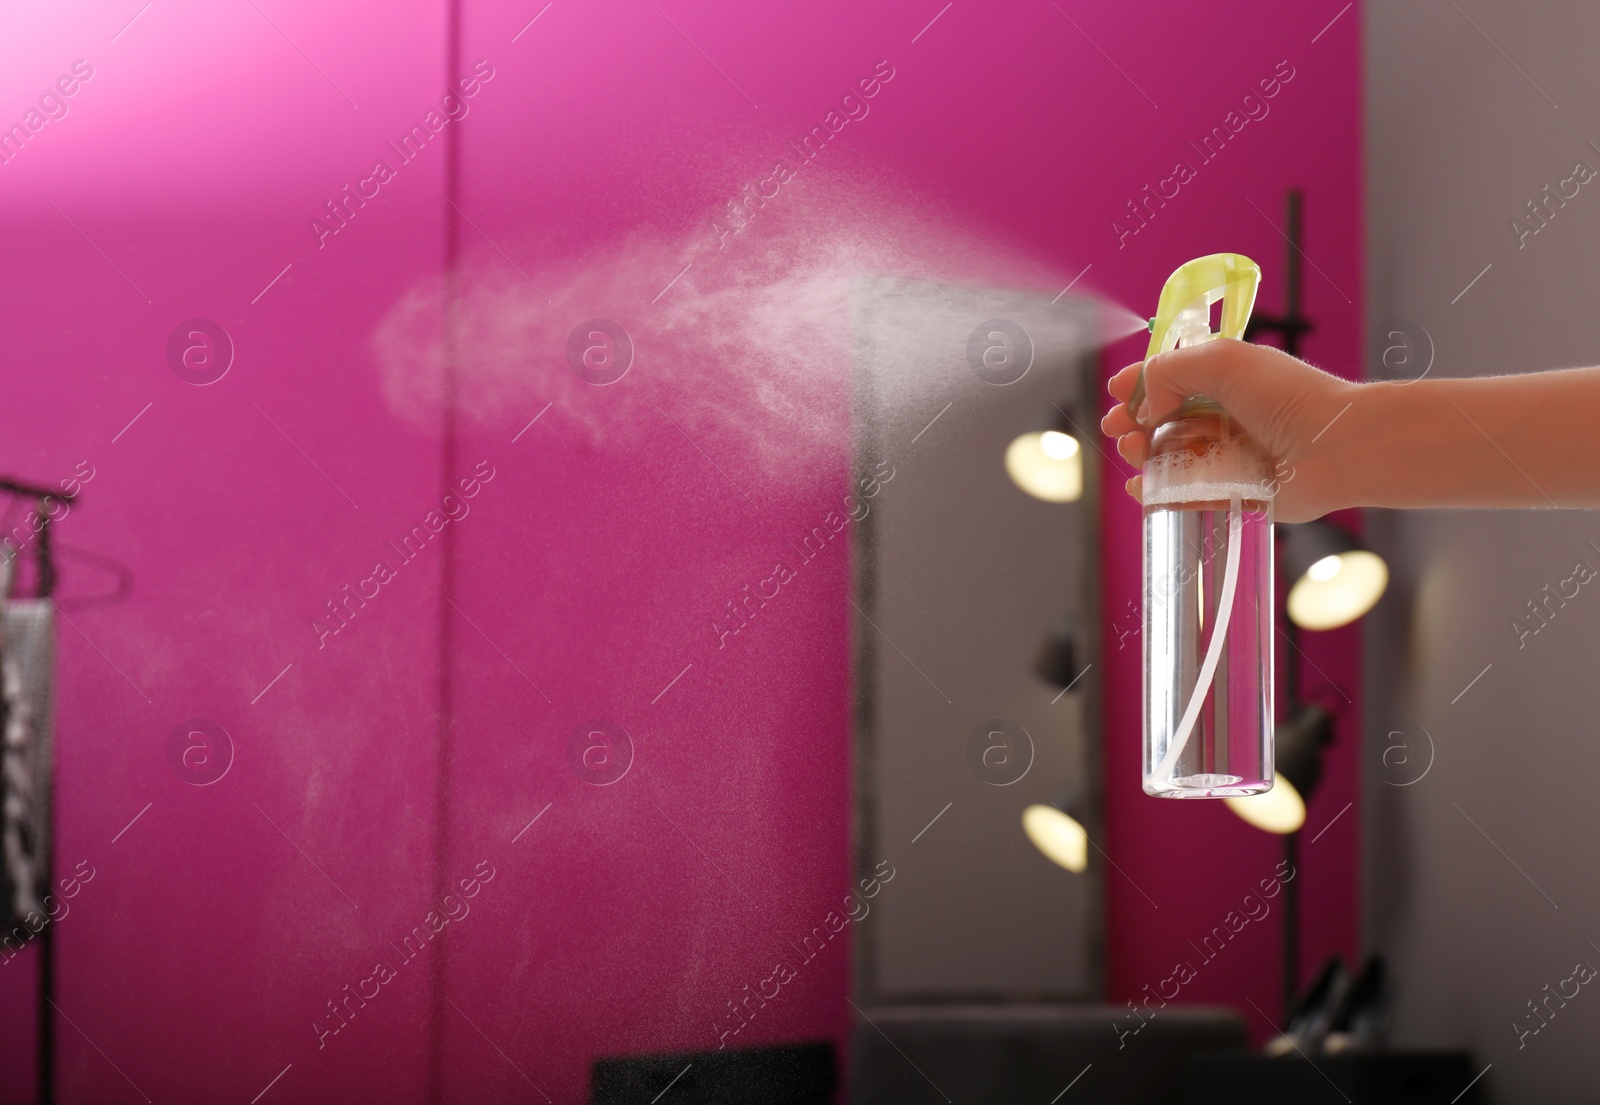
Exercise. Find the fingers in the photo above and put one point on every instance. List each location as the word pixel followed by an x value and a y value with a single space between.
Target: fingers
pixel 1121 384
pixel 1206 369
pixel 1135 448
pixel 1133 443
pixel 1119 422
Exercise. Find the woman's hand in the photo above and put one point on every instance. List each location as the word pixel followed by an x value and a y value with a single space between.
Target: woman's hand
pixel 1286 405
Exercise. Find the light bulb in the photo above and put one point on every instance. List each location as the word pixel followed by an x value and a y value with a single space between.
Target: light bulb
pixel 1279 810
pixel 1057 445
pixel 1323 570
pixel 1059 837
pixel 1323 599
pixel 1045 467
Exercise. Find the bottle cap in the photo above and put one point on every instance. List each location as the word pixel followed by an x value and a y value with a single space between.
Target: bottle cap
pixel 1183 314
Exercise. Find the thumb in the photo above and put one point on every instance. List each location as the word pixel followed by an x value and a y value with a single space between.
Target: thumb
pixel 1175 375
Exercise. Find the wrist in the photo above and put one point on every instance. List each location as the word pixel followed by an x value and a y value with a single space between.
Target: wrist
pixel 1365 446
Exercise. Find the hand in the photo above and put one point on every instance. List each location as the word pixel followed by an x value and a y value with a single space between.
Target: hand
pixel 1283 403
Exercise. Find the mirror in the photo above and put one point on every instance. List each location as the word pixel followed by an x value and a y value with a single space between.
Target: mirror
pixel 961 580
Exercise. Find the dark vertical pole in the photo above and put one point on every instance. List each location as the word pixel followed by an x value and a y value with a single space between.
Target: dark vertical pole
pixel 1291 299
pixel 1291 842
pixel 448 550
pixel 47 566
pixel 1290 653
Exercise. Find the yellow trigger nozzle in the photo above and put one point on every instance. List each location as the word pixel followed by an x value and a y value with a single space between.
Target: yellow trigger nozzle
pixel 1183 315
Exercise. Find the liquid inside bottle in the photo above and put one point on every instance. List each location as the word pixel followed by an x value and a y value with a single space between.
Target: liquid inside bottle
pixel 1208 612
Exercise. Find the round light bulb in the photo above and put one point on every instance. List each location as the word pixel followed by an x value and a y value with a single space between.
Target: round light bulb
pixel 1046 468
pixel 1059 837
pixel 1057 445
pixel 1279 810
pixel 1323 570
pixel 1323 599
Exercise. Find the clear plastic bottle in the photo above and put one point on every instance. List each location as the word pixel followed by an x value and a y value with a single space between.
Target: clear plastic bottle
pixel 1208 592
pixel 1208 608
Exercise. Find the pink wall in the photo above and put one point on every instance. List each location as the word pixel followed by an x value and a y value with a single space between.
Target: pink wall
pixel 209 940
pixel 614 529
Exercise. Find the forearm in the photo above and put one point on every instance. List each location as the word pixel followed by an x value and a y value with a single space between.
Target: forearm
pixel 1530 440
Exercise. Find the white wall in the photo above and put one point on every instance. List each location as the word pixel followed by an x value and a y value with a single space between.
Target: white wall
pixel 1458 140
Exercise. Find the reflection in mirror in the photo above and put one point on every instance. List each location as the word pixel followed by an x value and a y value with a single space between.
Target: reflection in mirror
pixel 975 562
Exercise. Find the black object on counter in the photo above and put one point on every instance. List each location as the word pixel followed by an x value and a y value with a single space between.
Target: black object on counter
pixel 1376 1078
pixel 792 1074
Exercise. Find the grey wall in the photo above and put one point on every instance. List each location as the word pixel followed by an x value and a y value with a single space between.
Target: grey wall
pixel 1482 877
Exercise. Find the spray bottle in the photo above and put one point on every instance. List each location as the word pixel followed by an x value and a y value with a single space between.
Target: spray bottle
pixel 1208 592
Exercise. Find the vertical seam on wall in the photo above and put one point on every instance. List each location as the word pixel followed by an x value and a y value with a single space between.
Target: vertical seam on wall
pixel 447 573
